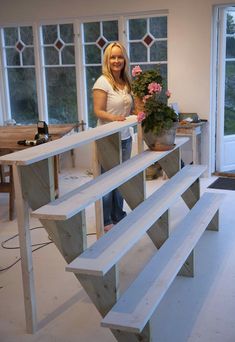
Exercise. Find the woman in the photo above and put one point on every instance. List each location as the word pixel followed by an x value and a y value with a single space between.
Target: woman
pixel 113 102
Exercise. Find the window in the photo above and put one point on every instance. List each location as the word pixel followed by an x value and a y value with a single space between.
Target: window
pixel 41 75
pixel 58 53
pixel 19 73
pixel 96 36
pixel 147 43
pixel 229 106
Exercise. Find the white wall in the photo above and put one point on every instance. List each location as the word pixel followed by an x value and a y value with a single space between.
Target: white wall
pixel 189 34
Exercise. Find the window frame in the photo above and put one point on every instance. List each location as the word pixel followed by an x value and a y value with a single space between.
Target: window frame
pixel 80 65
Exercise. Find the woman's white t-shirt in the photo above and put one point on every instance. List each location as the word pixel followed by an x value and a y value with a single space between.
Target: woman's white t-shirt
pixel 118 102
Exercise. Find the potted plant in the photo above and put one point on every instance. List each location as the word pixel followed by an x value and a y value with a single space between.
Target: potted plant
pixel 159 121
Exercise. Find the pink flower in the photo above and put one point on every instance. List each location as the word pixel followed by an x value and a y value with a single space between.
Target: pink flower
pixel 140 117
pixel 154 88
pixel 136 70
pixel 146 97
pixel 168 94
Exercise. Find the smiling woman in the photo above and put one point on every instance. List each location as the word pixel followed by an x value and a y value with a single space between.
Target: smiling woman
pixel 113 102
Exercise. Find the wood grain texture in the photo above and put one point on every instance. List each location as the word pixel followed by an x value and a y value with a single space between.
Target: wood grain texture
pixel 34 154
pixel 136 306
pixel 68 205
pixel 108 250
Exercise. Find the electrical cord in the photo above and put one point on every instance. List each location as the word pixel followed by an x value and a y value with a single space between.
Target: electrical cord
pixel 38 245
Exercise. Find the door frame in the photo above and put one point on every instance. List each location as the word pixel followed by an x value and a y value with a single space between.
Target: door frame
pixel 218 89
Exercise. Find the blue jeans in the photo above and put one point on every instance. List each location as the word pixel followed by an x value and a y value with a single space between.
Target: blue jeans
pixel 113 201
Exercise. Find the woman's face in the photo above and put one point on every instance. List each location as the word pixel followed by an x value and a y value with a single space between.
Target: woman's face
pixel 116 60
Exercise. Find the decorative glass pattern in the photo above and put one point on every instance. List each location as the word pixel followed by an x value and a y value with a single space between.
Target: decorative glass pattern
pixel 60 72
pixel 59 44
pixel 16 41
pixel 20 74
pixel 101 42
pixel 56 38
pixel 147 38
pixel 137 28
pixel 147 42
pixel 96 36
pixel 20 46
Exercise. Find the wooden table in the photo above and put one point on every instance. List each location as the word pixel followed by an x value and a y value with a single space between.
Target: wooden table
pixel 9 135
pixel 195 131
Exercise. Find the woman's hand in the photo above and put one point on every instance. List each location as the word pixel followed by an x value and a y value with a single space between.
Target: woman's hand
pixel 100 103
pixel 120 117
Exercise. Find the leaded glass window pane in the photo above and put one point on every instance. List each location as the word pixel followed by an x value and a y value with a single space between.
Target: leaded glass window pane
pixel 92 54
pixel 61 94
pixel 23 96
pixel 51 56
pixel 96 36
pixel 137 28
pixel 91 31
pixel 230 47
pixel 158 27
pixel 158 51
pixel 59 51
pixel 20 73
pixel 10 36
pixel 12 57
pixel 68 55
pixel 28 56
pixel 138 52
pixel 49 33
pixel 230 24
pixel 26 35
pixel 147 42
pixel 110 30
pixel 66 33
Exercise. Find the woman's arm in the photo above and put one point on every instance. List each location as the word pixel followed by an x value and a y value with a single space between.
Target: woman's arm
pixel 100 103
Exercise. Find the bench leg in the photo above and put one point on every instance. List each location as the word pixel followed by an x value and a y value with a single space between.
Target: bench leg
pixel 171 163
pixel 192 194
pixel 159 231
pixel 69 236
pixel 214 224
pixel 102 290
pixel 124 336
pixel 187 269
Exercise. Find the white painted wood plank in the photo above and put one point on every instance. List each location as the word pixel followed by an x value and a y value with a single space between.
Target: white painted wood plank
pixel 136 306
pixel 109 249
pixel 26 254
pixel 34 154
pixel 71 203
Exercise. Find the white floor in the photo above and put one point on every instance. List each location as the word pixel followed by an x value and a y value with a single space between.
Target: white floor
pixel 195 309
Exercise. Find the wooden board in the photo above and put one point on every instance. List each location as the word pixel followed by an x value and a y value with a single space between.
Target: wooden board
pixel 108 250
pixel 136 306
pixel 52 148
pixel 76 200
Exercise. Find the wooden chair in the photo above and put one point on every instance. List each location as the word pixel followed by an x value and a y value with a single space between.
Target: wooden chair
pixel 7 186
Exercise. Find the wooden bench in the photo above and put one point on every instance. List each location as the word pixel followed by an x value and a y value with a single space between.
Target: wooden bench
pixel 107 251
pixel 97 267
pixel 130 317
pixel 76 200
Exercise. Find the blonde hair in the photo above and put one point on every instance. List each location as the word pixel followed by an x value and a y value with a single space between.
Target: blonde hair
pixel 106 70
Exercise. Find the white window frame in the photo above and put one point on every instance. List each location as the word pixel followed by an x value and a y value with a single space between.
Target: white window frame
pixel 79 61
